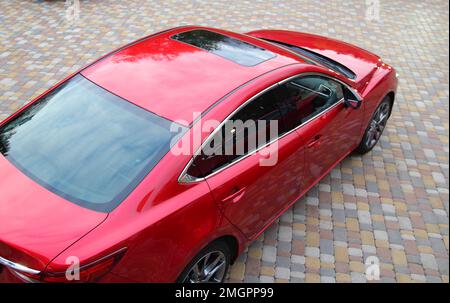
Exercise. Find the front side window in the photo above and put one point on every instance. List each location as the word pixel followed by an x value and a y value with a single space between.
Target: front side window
pixel 306 97
pixel 85 144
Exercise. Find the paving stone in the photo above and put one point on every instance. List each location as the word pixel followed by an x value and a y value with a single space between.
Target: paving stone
pixel 326 246
pixel 391 203
pixel 298 267
pixel 429 261
pixel 358 277
pixel 327 272
pixel 420 278
pixel 380 235
pixel 432 279
pixel 405 223
pixel 312 252
pixel 327 258
pixel 283 261
pixel 266 279
pixel 326 279
pixel 269 254
pixel 285 233
pixel 282 273
pixel 298 259
pixel 297 274
pixel 251 279
pixel 399 269
pixel 355 252
pixel 443 265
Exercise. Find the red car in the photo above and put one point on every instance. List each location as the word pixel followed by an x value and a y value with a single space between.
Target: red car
pixel 95 184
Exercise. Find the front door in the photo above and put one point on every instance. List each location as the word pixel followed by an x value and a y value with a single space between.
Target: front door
pixel 314 105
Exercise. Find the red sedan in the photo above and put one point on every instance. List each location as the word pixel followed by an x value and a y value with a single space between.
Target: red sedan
pixel 129 171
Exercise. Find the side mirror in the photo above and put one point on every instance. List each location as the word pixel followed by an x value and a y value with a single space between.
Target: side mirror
pixel 355 104
pixel 351 100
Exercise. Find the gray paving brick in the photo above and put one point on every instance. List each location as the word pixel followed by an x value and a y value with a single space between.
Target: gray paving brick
pixel 429 261
pixel 400 188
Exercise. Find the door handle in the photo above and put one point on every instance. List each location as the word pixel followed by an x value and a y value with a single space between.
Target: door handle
pixel 235 196
pixel 315 142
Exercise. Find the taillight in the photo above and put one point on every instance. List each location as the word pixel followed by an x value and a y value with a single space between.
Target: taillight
pixel 91 272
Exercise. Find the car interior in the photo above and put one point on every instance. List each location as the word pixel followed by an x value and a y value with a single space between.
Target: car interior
pixel 304 99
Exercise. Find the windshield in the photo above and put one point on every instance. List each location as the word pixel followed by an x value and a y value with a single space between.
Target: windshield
pixel 325 61
pixel 85 144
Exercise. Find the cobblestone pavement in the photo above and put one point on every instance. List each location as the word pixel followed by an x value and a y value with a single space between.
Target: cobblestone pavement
pixel 392 203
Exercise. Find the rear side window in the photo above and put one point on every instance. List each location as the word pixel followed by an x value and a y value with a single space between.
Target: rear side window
pixel 232 49
pixel 85 144
pixel 232 141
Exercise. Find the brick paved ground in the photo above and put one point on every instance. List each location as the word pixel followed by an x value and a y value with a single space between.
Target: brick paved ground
pixel 391 203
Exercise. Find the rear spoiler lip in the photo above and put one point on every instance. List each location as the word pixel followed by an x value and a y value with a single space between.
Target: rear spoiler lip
pixel 18 267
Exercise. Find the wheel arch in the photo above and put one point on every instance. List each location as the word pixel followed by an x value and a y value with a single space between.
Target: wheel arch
pixel 391 96
pixel 232 242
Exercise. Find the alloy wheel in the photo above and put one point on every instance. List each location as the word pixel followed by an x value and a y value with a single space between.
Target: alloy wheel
pixel 208 269
pixel 377 124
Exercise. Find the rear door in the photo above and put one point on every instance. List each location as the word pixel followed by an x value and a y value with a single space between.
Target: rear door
pixel 252 187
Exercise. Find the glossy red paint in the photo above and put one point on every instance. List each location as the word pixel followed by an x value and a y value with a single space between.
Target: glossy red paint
pixel 161 63
pixel 37 221
pixel 164 223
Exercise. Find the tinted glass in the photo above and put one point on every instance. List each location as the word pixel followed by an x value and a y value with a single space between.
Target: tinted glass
pixel 86 144
pixel 325 61
pixel 253 134
pixel 229 48
pixel 306 97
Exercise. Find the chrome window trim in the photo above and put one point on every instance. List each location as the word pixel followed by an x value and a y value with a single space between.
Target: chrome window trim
pixel 311 90
pixel 191 179
pixel 18 267
pixel 24 278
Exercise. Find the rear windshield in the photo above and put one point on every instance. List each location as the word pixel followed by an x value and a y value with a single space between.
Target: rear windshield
pixel 85 144
pixel 229 48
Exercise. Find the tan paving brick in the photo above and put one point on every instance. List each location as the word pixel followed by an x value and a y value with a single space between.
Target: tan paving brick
pixel 367 238
pixel 313 239
pixel 255 252
pixel 267 271
pixel 399 257
pixel 400 188
pixel 237 271
pixel 357 266
pixel 343 278
pixel 313 263
pixel 312 278
pixel 341 254
pixel 402 278
pixel 352 224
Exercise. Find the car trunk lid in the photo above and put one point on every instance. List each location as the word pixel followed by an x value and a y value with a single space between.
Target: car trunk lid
pixel 36 224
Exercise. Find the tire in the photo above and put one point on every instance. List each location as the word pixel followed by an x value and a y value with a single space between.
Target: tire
pixel 376 127
pixel 195 273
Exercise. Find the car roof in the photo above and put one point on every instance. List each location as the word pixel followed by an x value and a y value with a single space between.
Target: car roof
pixel 177 80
